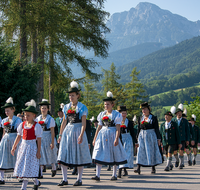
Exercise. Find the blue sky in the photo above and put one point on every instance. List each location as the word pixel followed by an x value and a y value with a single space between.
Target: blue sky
pixel 186 8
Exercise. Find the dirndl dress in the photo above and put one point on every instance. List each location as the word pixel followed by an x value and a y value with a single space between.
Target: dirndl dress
pixel 27 164
pixel 7 161
pixel 105 152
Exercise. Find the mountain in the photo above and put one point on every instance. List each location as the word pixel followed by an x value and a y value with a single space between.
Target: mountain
pixel 149 23
pixel 181 58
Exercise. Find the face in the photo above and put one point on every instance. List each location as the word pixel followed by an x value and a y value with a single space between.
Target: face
pixel 108 105
pixel 145 111
pixel 179 114
pixel 95 124
pixel 29 116
pixel 73 97
pixel 44 109
pixel 124 114
pixel 60 114
pixel 9 111
pixel 168 118
pixel 192 122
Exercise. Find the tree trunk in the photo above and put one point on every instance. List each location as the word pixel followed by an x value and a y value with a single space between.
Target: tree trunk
pixel 34 52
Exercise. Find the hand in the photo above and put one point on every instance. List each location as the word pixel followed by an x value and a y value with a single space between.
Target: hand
pixel 192 143
pixel 52 145
pixel 80 139
pixel 93 143
pixel 13 151
pixel 158 142
pixel 180 146
pixel 89 146
pixel 38 155
pixel 59 139
pixel 187 143
pixel 116 142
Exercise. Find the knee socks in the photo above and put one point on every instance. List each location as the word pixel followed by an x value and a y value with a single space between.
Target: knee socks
pixel 98 169
pixel 24 184
pixel 64 172
pixel 115 170
pixel 80 173
pixel 1 175
pixel 53 166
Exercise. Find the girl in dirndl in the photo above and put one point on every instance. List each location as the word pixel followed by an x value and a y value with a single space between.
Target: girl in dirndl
pixel 9 125
pixel 108 149
pixel 128 137
pixel 73 150
pixel 27 163
pixel 48 146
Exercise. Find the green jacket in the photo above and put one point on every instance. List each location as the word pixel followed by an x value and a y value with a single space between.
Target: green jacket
pixel 172 132
pixel 58 125
pixel 192 135
pixel 184 129
pixel 196 134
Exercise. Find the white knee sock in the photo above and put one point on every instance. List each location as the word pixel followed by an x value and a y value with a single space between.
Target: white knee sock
pixel 98 169
pixel 115 170
pixel 24 184
pixel 1 175
pixel 80 173
pixel 41 168
pixel 64 172
pixel 53 166
pixel 36 181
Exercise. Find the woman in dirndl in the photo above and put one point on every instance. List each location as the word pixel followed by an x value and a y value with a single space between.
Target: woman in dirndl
pixel 48 146
pixel 128 137
pixel 9 125
pixel 108 149
pixel 148 154
pixel 74 149
pixel 28 155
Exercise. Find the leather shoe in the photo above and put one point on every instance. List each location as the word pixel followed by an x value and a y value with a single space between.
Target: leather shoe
pixel 2 182
pixel 35 187
pixel 137 171
pixel 125 172
pixel 53 173
pixel 62 183
pixel 96 178
pixel 166 169
pixel 78 183
pixel 171 167
pixel 194 162
pixel 181 166
pixel 113 178
pixel 176 164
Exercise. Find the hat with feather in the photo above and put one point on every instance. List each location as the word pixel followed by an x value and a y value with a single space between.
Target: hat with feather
pixel 193 118
pixel 109 97
pixel 180 108
pixel 61 107
pixel 73 87
pixel 9 103
pixel 135 118
pixel 184 113
pixel 171 112
pixel 31 107
pixel 121 108
pixel 44 102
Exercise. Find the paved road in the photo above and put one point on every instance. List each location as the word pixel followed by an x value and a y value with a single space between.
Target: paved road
pixel 188 178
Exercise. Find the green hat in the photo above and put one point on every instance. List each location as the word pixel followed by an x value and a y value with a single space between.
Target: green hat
pixel 109 97
pixel 9 103
pixel 44 102
pixel 121 108
pixel 31 107
pixel 169 113
pixel 73 87
pixel 178 110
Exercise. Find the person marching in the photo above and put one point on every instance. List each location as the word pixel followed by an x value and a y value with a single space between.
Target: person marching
pixel 48 144
pixel 59 120
pixel 9 125
pixel 170 137
pixel 184 131
pixel 196 137
pixel 148 154
pixel 27 163
pixel 128 137
pixel 108 149
pixel 74 150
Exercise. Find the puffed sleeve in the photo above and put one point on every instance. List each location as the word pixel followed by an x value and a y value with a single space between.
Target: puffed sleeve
pixel 52 123
pixel 99 119
pixel 118 119
pixel 83 111
pixel 38 130
pixel 17 123
pixel 19 129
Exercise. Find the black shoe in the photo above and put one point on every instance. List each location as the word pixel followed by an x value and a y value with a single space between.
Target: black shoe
pixel 53 173
pixel 176 164
pixel 62 183
pixel 44 169
pixel 78 183
pixel 40 177
pixel 74 172
pixel 189 163
pixel 181 166
pixel 153 170
pixel 21 180
pixel 109 168
pixel 194 162
pixel 137 171
pixel 166 169
pixel 113 178
pixel 119 173
pixel 96 178
pixel 2 182
pixel 171 167
pixel 125 172
pixel 35 187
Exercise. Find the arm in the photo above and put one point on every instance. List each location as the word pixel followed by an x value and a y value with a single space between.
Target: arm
pixel 187 131
pixel 63 125
pixel 80 138
pixel 178 139
pixel 18 138
pixel 116 142
pixel 3 132
pixel 52 137
pixel 38 155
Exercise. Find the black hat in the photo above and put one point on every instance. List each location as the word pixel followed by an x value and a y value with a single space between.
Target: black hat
pixel 121 108
pixel 183 115
pixel 60 109
pixel 9 103
pixel 144 105
pixel 193 118
pixel 73 87
pixel 44 102
pixel 109 97
pixel 31 107
pixel 95 121
pixel 169 113
pixel 178 110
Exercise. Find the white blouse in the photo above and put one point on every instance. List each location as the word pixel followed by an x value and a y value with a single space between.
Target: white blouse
pixel 38 129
